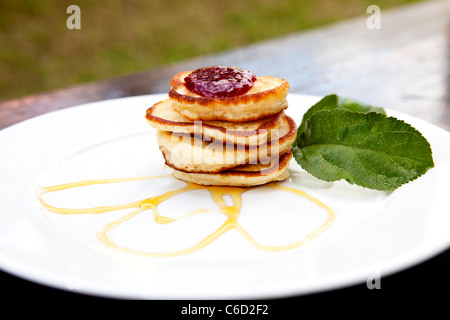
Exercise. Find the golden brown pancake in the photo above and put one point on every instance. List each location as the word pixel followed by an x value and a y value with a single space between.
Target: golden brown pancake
pixel 267 97
pixel 245 176
pixel 190 154
pixel 163 116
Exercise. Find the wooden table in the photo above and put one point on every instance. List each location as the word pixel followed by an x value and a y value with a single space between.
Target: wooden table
pixel 405 65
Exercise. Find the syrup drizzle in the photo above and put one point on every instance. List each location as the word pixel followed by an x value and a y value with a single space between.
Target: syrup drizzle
pixel 217 194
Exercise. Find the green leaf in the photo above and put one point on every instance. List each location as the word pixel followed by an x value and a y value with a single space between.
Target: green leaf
pixel 367 149
pixel 334 101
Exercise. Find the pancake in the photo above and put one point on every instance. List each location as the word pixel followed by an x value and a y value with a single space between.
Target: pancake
pixel 245 176
pixel 267 97
pixel 190 154
pixel 163 116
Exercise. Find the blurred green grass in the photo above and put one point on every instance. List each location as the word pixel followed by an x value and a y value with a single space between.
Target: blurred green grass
pixel 39 53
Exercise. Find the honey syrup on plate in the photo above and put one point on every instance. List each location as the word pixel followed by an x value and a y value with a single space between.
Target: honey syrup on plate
pixel 217 194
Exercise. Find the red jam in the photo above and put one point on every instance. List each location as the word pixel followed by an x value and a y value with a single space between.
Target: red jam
pixel 220 81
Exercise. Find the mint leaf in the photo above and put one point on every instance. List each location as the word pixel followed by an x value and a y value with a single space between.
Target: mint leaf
pixel 334 101
pixel 367 149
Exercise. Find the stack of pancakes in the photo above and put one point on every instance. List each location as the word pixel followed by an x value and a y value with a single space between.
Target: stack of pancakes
pixel 235 141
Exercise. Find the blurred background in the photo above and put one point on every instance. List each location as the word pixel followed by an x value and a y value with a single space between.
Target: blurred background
pixel 39 53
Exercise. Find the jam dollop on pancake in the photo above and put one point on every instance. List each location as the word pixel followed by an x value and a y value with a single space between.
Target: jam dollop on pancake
pixel 220 81
pixel 266 97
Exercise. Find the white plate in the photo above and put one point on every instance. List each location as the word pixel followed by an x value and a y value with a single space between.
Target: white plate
pixel 374 233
